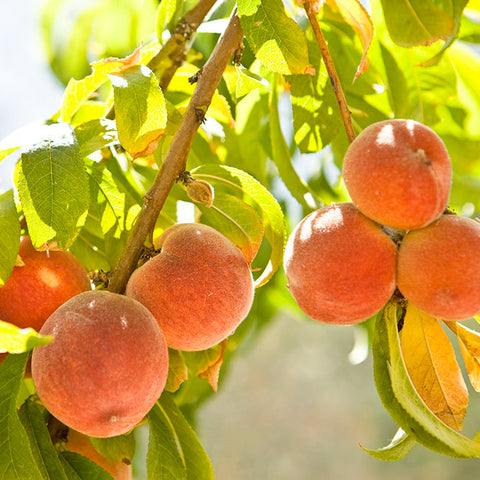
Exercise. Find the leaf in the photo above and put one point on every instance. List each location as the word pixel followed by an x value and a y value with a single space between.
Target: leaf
pixel 53 186
pixel 140 110
pixel 400 446
pixel 78 467
pixel 43 450
pixel 10 238
pixel 174 451
pixel 469 341
pixel 177 371
pixel 78 92
pixel 272 215
pixel 316 118
pixel 277 41
pixel 16 458
pixel 120 448
pixel 165 13
pixel 237 220
pixel 433 368
pixel 416 22
pixel 206 363
pixel 19 340
pixel 241 81
pixel 354 13
pixel 282 158
pixel 400 398
pixel 95 134
pixel 5 152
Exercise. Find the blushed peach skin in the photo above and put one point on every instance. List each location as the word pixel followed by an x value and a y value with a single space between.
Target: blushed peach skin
pixel 79 443
pixel 439 268
pixel 340 265
pixel 34 291
pixel 106 366
pixel 199 288
pixel 398 173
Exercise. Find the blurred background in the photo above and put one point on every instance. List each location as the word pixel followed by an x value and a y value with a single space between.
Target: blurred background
pixel 293 405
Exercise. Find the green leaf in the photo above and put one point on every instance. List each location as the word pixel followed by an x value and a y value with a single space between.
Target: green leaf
pixel 53 186
pixel 275 38
pixel 140 110
pixel 256 194
pixel 16 458
pixel 5 152
pixel 95 134
pixel 165 12
pixel 417 22
pixel 10 238
pixel 78 467
pixel 283 160
pixel 19 340
pixel 402 401
pixel 177 371
pixel 120 448
pixel 400 446
pixel 43 450
pixel 174 451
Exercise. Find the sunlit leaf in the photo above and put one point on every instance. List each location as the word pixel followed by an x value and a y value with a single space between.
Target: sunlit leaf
pixel 53 185
pixel 95 134
pixel 400 398
pixel 433 368
pixel 275 38
pixel 417 22
pixel 469 341
pixel 19 340
pixel 10 238
pixel 358 18
pixel 140 110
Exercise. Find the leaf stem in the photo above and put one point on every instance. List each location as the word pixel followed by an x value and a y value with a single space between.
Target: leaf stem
pixel 176 157
pixel 332 72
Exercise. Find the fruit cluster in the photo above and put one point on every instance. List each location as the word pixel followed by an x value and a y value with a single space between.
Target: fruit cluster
pixel 341 261
pixel 108 361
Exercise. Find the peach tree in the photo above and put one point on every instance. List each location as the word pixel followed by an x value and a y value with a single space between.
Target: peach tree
pixel 237 116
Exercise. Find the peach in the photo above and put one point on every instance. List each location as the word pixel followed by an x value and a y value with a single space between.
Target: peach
pixel 398 173
pixel 340 265
pixel 36 289
pixel 79 443
pixel 106 366
pixel 199 288
pixel 439 268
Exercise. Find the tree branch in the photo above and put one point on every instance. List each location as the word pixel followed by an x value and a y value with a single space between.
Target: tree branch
pixel 174 52
pixel 176 157
pixel 332 72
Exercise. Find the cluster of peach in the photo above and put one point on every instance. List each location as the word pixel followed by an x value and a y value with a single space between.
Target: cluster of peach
pixel 343 262
pixel 108 361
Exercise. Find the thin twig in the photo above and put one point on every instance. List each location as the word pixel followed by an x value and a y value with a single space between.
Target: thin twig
pixel 173 53
pixel 176 157
pixel 332 72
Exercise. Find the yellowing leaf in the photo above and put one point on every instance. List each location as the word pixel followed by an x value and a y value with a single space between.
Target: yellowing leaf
pixel 358 18
pixel 206 363
pixel 432 367
pixel 177 371
pixel 469 341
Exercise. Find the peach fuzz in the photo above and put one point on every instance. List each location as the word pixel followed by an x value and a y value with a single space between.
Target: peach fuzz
pixel 106 366
pixel 340 265
pixel 45 281
pixel 439 268
pixel 398 173
pixel 79 443
pixel 199 288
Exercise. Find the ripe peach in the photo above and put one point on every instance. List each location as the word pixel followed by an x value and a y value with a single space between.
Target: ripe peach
pixel 398 173
pixel 199 288
pixel 340 265
pixel 439 268
pixel 105 367
pixel 79 443
pixel 46 281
